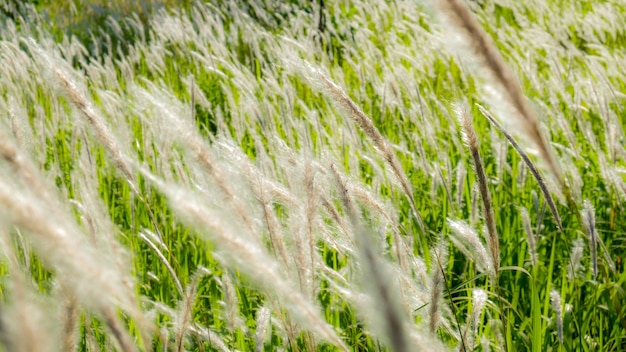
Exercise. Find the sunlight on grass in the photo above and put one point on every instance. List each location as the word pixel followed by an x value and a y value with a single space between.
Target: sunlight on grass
pixel 312 175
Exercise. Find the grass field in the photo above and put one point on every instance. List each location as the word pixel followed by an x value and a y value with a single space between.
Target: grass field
pixel 313 175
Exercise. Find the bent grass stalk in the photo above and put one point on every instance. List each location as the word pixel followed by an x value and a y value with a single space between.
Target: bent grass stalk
pixel 146 239
pixel 366 124
pixel 461 16
pixel 493 241
pixel 531 166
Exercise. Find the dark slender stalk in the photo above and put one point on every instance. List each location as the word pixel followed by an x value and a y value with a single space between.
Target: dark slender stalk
pixel 472 141
pixel 460 15
pixel 533 169
pixel 493 240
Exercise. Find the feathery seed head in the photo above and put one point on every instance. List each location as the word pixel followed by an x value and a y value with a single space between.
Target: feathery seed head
pixel 555 299
pixel 467 241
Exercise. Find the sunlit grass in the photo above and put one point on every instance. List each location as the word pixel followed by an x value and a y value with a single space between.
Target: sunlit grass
pixel 248 176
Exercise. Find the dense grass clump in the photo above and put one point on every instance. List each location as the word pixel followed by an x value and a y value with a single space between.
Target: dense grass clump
pixel 312 175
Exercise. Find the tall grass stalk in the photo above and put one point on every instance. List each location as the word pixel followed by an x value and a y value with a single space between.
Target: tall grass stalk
pixel 392 323
pixel 470 137
pixel 145 236
pixel 368 127
pixel 531 166
pixel 483 48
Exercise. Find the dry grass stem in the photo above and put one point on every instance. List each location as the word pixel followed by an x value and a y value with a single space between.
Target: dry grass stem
pixel 460 15
pixel 311 206
pixel 276 236
pixel 335 216
pixel 344 195
pixel 588 217
pixel 533 169
pixel 90 339
pixel 23 168
pixel 70 314
pixel 117 329
pixel 266 191
pixel 575 258
pixel 366 124
pixel 373 271
pixel 19 128
pixel 471 139
pixel 367 198
pixel 231 302
pixel 206 334
pixel 607 255
pixel 211 336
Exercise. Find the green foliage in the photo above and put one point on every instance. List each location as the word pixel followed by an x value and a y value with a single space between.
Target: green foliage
pixel 238 104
